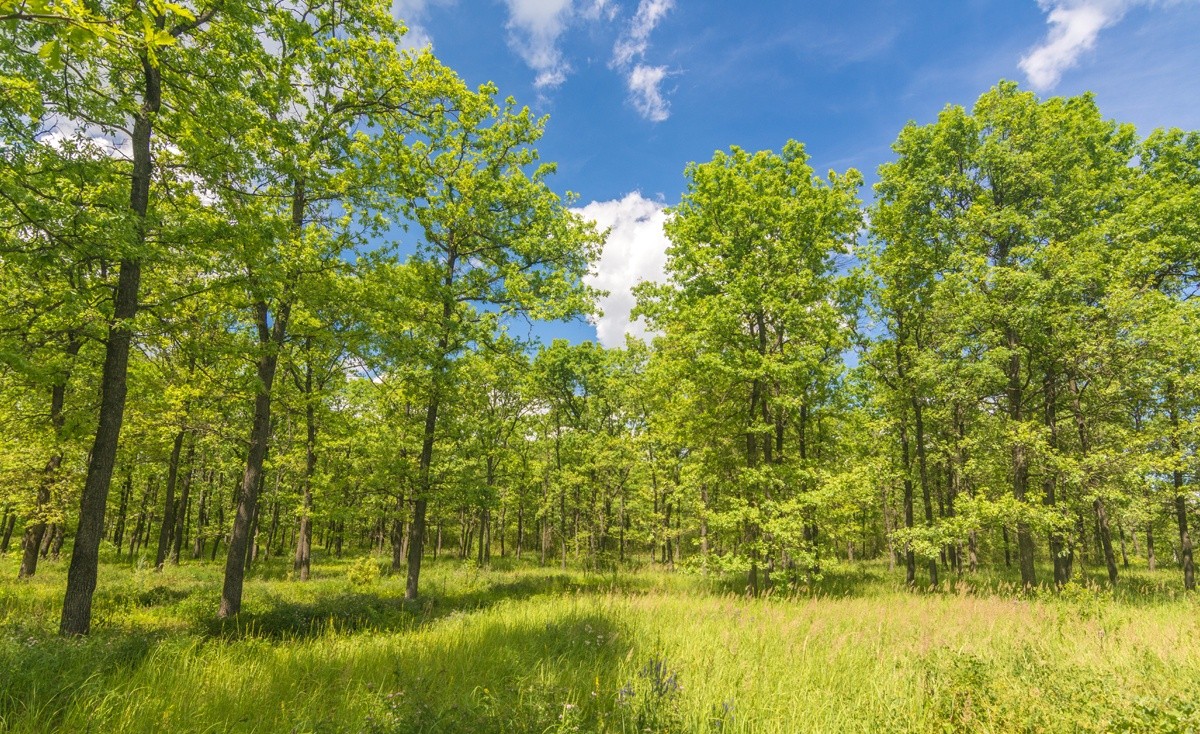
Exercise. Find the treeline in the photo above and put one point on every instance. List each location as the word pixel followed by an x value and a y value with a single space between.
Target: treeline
pixel 260 265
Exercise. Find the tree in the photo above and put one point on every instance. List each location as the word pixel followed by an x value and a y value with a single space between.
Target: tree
pixel 496 243
pixel 753 313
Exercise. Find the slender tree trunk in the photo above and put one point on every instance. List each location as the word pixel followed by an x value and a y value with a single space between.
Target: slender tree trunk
pixel 302 563
pixel 48 540
pixel 85 556
pixel 919 421
pixel 168 523
pixel 1185 538
pixel 1181 514
pixel 1020 459
pixel 181 516
pixel 398 539
pixel 36 526
pixel 271 336
pixel 126 493
pixel 1104 534
pixel 9 523
pixel 143 522
pixel 1050 482
pixel 910 558
pixel 202 517
pixel 416 543
pixel 60 534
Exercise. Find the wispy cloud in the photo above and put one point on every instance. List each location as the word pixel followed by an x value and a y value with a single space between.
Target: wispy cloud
pixel 534 28
pixel 629 52
pixel 1075 26
pixel 412 13
pixel 600 10
pixel 645 91
pixel 633 43
pixel 636 250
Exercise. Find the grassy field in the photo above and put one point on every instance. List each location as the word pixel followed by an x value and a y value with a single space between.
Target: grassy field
pixel 541 650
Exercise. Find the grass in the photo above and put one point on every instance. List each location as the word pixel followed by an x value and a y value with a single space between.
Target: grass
pixel 522 649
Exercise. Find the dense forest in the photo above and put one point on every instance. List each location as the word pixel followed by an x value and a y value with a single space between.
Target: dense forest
pixel 265 272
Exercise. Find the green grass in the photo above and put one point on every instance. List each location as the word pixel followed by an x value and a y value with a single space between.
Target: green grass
pixel 541 650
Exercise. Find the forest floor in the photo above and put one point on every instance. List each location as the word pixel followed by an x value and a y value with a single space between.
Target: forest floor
pixel 522 649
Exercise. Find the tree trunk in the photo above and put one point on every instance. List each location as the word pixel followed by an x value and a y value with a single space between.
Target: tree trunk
pixel 1181 516
pixel 1104 535
pixel 9 523
pixel 271 338
pixel 1050 482
pixel 302 563
pixel 1106 544
pixel 918 419
pixel 85 556
pixel 416 543
pixel 910 558
pixel 181 515
pixel 36 527
pixel 168 523
pixel 1185 538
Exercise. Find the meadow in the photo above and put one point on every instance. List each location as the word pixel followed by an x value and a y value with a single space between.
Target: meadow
pixel 525 649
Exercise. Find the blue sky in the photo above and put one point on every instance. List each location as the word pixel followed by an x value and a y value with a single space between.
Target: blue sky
pixel 637 89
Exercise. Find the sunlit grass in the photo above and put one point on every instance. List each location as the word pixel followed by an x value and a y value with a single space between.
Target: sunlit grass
pixel 522 649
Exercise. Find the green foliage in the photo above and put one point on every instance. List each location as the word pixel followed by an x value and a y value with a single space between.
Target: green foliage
pixel 363 572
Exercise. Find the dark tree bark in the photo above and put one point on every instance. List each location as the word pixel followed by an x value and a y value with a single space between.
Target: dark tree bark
pixel 126 494
pixel 1181 515
pixel 910 558
pixel 922 464
pixel 416 541
pixel 35 528
pixel 1050 482
pixel 1104 534
pixel 302 563
pixel 81 575
pixel 270 337
pixel 168 523
pixel 181 518
pixel 9 523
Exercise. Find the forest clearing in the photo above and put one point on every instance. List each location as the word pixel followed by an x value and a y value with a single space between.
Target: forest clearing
pixel 524 649
pixel 327 405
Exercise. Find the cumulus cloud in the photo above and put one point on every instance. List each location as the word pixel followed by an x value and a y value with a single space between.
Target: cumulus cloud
pixel 534 27
pixel 636 250
pixel 644 81
pixel 1074 27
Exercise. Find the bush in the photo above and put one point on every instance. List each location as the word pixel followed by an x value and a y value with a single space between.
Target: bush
pixel 363 572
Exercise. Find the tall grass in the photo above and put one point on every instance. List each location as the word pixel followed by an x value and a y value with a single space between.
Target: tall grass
pixel 521 649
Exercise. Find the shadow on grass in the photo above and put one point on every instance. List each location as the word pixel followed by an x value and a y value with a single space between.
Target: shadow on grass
pixel 574 673
pixel 41 675
pixel 383 608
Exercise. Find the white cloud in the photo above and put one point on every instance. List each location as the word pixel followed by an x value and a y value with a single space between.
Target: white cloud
pixel 600 9
pixel 645 90
pixel 644 82
pixel 636 250
pixel 534 28
pixel 636 39
pixel 412 13
pixel 1074 27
